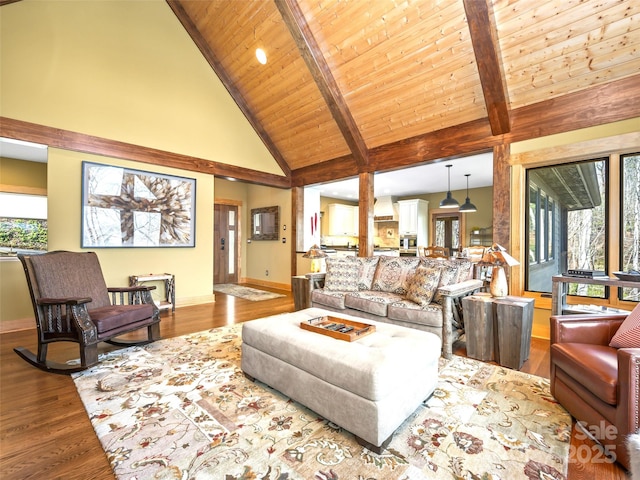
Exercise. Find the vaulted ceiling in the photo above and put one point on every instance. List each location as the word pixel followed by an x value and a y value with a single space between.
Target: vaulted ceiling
pixel 372 85
pixel 364 86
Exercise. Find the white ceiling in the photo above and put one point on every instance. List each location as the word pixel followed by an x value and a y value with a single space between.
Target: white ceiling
pixel 424 179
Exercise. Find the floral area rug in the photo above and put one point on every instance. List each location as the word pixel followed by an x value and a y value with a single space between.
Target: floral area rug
pixel 181 408
pixel 246 293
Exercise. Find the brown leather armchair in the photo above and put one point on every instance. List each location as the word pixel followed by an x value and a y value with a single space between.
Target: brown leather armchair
pixel 596 383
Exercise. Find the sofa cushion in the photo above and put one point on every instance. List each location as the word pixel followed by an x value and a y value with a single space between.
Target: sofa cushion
pixel 423 284
pixel 370 301
pixel 366 271
pixel 342 275
pixel 392 274
pixel 628 334
pixel 328 298
pixel 114 317
pixel 409 312
pixel 594 366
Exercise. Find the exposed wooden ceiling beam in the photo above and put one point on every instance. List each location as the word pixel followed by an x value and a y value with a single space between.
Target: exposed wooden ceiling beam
pixel 79 142
pixel 209 56
pixel 472 137
pixel 459 140
pixel 598 105
pixel 321 73
pixel 486 48
pixel 336 169
pixel 607 103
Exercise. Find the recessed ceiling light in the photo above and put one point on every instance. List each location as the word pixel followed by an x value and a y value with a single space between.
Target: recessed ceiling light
pixel 261 56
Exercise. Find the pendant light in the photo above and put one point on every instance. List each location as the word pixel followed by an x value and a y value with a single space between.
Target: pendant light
pixel 449 202
pixel 468 206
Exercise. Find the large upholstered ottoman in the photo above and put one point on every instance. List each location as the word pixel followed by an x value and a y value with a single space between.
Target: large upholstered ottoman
pixel 368 387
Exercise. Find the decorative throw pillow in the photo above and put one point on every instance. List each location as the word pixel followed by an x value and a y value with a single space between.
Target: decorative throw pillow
pixel 628 335
pixel 448 276
pixel 465 269
pixel 342 274
pixel 423 284
pixel 366 271
pixel 392 274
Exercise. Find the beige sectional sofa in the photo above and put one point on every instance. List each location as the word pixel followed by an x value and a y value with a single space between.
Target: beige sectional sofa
pixel 416 292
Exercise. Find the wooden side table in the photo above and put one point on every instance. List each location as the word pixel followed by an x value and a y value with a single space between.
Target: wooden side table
pixel 302 285
pixel 498 329
pixel 478 326
pixel 300 288
pixel 169 287
pixel 514 321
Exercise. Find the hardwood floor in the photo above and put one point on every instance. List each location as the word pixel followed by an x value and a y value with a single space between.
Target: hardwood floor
pixel 45 431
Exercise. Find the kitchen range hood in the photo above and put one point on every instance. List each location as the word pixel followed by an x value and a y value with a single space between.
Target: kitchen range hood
pixel 385 209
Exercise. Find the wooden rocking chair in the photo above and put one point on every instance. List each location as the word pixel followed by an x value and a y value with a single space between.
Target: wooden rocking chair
pixel 71 304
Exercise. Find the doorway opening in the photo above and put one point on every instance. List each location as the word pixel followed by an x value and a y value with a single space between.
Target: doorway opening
pixel 226 242
pixel 447 227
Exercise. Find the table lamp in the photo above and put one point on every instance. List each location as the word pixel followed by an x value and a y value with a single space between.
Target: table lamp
pixel 497 257
pixel 315 253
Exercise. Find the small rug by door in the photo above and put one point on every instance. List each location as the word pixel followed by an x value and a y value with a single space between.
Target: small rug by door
pixel 181 408
pixel 247 293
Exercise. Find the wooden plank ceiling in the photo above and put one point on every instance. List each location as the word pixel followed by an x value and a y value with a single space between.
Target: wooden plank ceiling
pixel 364 85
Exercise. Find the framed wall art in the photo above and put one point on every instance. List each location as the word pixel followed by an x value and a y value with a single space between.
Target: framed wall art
pixel 122 207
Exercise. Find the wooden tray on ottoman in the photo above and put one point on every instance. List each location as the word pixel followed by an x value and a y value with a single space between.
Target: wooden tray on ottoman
pixel 320 324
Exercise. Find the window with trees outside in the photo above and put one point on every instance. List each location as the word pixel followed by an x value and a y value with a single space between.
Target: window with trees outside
pixel 630 221
pixel 572 211
pixel 23 223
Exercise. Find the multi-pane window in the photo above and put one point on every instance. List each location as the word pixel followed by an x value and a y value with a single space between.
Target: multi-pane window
pixel 572 213
pixel 542 227
pixel 567 218
pixel 630 220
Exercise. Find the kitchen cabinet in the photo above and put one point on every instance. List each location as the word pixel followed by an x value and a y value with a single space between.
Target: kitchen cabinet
pixel 343 219
pixel 414 219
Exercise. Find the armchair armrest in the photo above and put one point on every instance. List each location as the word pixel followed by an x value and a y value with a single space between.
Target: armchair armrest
pixel 629 385
pixel 49 302
pixel 461 289
pixel 135 294
pixel 61 321
pixel 592 329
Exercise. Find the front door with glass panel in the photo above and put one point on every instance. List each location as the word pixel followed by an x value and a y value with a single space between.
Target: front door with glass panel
pixel 225 247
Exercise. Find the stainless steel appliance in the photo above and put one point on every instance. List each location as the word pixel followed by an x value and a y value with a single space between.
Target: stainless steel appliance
pixel 408 245
pixel 408 241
